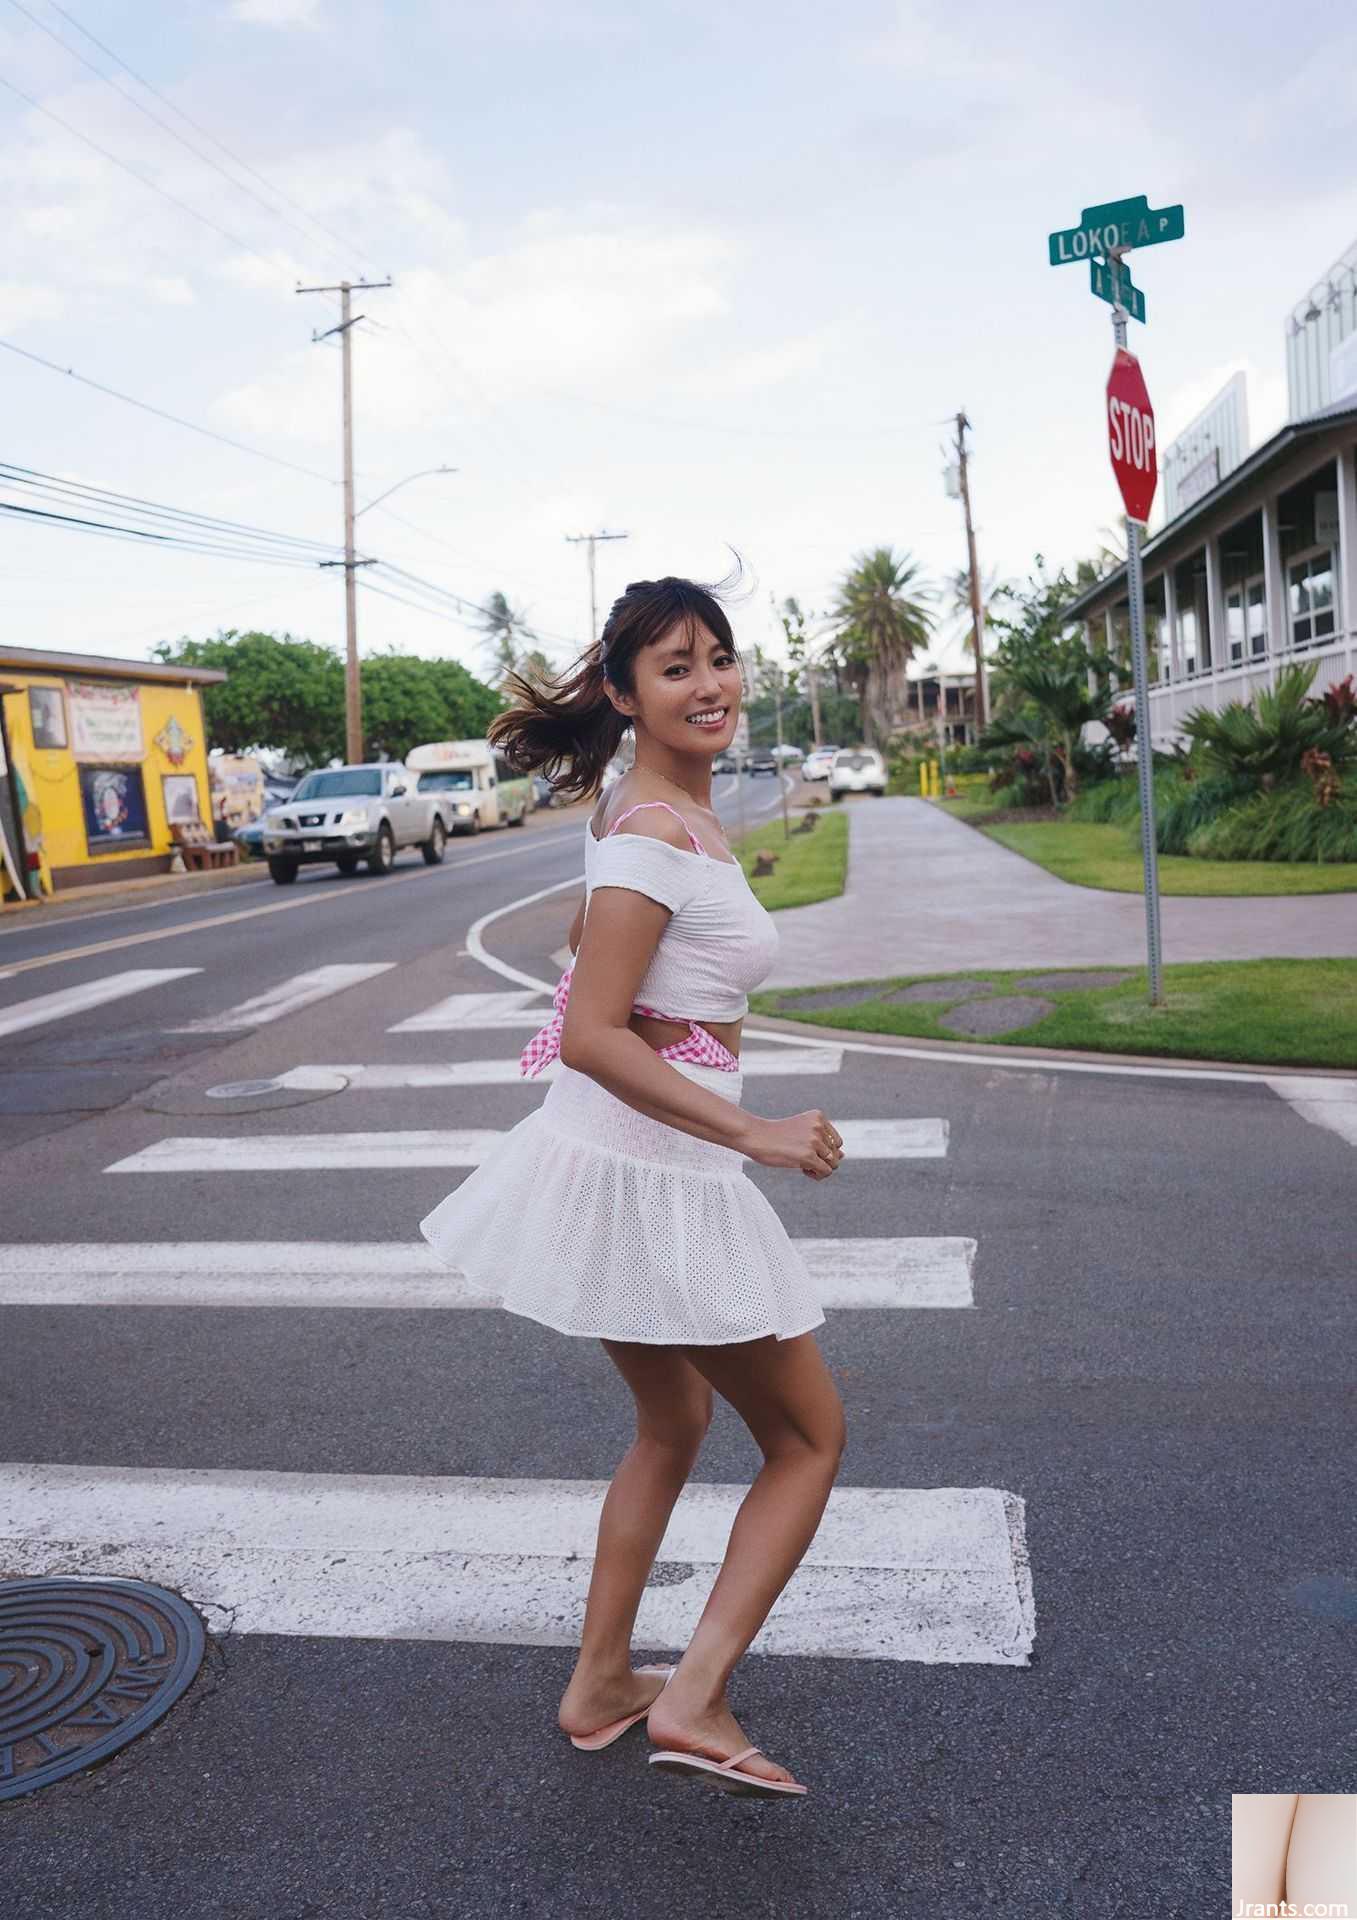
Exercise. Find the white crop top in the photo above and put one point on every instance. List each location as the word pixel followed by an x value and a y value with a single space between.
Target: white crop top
pixel 718 941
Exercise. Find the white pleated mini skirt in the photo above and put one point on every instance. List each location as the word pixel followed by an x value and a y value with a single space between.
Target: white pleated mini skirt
pixel 597 1220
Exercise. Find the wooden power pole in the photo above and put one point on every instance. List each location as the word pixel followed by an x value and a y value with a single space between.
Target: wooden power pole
pixel 353 691
pixel 977 609
pixel 593 596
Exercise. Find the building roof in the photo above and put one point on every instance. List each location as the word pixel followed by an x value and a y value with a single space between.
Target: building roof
pixel 42 660
pixel 1270 454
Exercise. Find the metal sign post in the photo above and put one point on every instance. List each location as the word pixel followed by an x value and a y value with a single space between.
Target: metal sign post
pixel 1105 233
pixel 1135 581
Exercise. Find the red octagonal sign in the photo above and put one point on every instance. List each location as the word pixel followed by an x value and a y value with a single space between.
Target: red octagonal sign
pixel 1130 435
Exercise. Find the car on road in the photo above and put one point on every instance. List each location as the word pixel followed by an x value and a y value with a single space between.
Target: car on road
pixel 344 815
pixel 857 770
pixel 475 785
pixel 726 763
pixel 763 760
pixel 818 761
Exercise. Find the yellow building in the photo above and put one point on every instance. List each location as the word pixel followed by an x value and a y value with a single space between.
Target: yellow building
pixel 100 756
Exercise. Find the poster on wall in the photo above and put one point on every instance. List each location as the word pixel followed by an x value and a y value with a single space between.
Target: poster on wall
pixel 48 716
pixel 181 797
pixel 115 808
pixel 105 721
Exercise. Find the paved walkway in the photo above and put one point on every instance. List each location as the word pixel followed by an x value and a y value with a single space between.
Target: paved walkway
pixel 926 893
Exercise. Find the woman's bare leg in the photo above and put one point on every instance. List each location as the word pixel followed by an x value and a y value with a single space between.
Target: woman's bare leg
pixel 673 1410
pixel 783 1392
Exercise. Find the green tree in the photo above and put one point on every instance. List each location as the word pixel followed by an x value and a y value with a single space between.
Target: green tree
pixel 879 618
pixel 281 694
pixel 408 701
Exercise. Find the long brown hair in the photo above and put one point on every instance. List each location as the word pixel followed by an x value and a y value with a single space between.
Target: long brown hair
pixel 571 719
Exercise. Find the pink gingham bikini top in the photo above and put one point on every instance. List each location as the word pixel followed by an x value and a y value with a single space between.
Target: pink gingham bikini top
pixel 718 942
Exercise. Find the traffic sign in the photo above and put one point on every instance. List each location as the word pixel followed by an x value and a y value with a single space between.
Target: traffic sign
pixel 1130 435
pixel 1116 223
pixel 1113 283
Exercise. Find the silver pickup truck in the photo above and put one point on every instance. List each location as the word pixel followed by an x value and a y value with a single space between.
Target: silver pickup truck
pixel 347 814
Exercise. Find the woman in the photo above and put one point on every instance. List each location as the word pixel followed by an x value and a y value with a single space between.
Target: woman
pixel 620 1210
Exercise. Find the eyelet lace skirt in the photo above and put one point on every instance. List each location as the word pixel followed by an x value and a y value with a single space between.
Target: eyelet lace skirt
pixel 597 1220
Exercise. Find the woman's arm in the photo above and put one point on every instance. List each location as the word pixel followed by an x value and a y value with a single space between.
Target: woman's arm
pixel 577 928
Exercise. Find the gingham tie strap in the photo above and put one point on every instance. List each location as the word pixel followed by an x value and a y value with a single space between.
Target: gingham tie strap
pixel 700 1047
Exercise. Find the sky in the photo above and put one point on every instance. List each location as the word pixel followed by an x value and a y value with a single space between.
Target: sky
pixel 716 277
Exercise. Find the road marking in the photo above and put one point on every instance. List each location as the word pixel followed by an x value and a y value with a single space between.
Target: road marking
pixel 94 993
pixel 1324 1103
pixel 937 1574
pixel 888 1274
pixel 345 1078
pixel 464 1010
pixel 302 990
pixel 448 1147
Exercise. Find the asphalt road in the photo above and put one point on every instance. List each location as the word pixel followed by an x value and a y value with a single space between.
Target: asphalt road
pixel 1154 1373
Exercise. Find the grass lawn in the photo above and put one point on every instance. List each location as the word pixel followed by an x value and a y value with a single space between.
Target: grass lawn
pixel 1275 1013
pixel 810 866
pixel 1091 855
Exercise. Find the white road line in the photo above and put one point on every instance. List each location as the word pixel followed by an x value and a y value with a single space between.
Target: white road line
pixel 95 993
pixel 448 1147
pixel 496 1073
pixel 894 1274
pixel 288 997
pixel 464 1010
pixel 935 1574
pixel 1324 1103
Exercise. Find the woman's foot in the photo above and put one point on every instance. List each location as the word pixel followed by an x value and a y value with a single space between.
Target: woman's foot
pixel 589 1703
pixel 713 1732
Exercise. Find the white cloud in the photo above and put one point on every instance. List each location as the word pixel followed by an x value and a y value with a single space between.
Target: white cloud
pixel 276 13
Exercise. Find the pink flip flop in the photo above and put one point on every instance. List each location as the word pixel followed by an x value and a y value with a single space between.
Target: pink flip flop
pixel 725 1774
pixel 604 1736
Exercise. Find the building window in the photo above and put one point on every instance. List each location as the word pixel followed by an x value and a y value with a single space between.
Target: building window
pixel 1310 591
pixel 1256 616
pixel 1187 639
pixel 1234 625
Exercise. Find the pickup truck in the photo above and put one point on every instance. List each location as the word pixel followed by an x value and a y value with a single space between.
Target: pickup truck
pixel 345 815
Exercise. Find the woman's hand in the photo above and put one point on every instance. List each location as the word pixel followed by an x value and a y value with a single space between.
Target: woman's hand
pixel 807 1140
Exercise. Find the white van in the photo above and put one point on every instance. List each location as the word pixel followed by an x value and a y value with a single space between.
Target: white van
pixel 481 788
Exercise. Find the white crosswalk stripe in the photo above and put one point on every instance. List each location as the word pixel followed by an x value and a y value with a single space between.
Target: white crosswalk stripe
pixel 521 1008
pixel 499 1073
pixel 94 993
pixel 885 1273
pixel 302 990
pixel 1330 1103
pixel 448 1147
pixel 933 1574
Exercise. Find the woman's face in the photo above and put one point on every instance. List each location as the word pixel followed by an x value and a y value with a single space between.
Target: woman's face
pixel 676 679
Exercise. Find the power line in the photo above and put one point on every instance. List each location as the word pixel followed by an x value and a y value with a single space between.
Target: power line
pixel 161 414
pixel 139 508
pixel 164 541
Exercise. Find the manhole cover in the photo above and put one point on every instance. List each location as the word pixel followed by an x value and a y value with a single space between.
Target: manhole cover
pixel 237 1089
pixel 85 1666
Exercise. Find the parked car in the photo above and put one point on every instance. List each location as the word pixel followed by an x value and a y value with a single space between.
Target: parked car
pixel 817 763
pixel 250 839
pixel 353 813
pixel 726 763
pixel 857 770
pixel 763 760
pixel 543 793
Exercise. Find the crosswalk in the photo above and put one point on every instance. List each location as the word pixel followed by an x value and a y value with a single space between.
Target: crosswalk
pixel 933 1574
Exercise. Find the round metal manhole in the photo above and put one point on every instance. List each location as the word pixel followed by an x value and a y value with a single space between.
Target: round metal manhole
pixel 85 1666
pixel 238 1089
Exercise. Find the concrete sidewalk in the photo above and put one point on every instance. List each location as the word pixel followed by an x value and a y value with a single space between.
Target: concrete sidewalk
pixel 926 893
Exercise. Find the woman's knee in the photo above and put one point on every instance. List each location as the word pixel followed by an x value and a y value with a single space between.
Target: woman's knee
pixel 680 1429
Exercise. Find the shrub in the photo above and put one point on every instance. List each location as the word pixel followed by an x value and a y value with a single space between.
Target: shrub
pixel 1286 824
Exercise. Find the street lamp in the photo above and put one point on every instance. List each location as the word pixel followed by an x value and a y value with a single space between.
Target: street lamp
pixel 423 474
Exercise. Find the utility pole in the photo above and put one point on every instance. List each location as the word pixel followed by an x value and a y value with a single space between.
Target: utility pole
pixel 977 610
pixel 593 599
pixel 353 696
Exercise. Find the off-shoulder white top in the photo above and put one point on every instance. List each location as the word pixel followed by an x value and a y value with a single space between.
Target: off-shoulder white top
pixel 718 942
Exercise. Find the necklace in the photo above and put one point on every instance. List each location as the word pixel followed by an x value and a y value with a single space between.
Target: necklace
pixel 689 798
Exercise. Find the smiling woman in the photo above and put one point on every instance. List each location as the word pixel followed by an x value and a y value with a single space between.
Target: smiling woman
pixel 620 1210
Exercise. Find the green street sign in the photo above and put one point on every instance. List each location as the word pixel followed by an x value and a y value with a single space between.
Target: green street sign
pixel 1113 283
pixel 1117 223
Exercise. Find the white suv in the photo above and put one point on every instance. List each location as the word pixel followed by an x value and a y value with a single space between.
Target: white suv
pixel 857 770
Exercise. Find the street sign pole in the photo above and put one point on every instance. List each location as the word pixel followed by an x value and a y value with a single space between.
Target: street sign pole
pixel 1140 669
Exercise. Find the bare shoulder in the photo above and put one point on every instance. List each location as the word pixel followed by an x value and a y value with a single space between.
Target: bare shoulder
pixel 654 821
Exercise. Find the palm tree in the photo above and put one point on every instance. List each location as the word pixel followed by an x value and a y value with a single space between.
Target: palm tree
pixel 503 625
pixel 1057 706
pixel 879 618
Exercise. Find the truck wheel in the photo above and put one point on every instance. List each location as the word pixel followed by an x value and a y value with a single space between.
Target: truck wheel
pixel 383 855
pixel 432 848
pixel 347 862
pixel 283 871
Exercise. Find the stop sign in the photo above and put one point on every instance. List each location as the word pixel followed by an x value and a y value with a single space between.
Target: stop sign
pixel 1130 435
